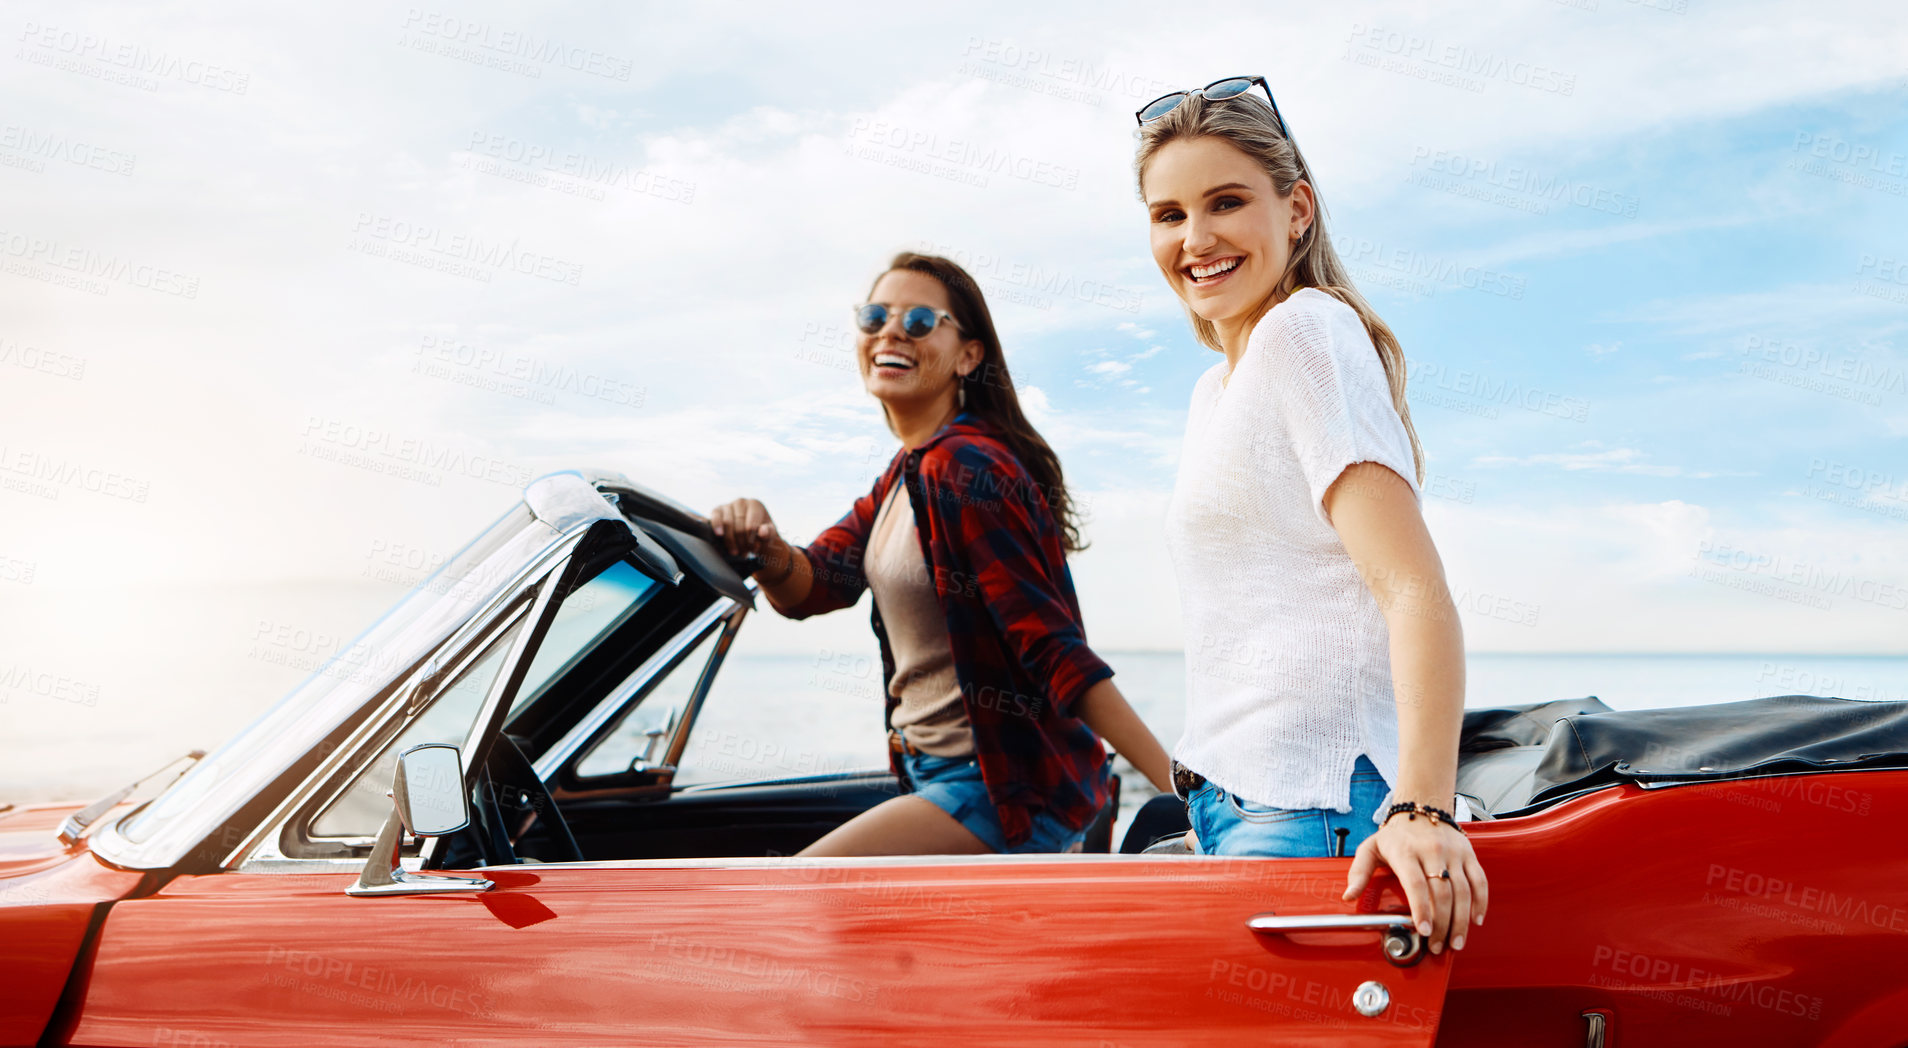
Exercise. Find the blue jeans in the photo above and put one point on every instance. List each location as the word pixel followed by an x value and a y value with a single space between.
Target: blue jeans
pixel 1230 825
pixel 954 785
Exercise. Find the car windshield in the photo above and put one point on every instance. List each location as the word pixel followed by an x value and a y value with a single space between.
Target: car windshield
pixel 358 673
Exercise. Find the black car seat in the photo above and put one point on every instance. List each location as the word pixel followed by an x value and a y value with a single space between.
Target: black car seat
pixel 1099 835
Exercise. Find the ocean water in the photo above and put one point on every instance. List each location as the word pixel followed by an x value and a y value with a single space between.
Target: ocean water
pixel 96 691
pixel 825 714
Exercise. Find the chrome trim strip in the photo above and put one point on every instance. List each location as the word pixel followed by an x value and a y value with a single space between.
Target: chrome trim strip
pixel 692 708
pixel 638 682
pixel 747 862
pixel 351 866
pixel 871 771
pixel 750 862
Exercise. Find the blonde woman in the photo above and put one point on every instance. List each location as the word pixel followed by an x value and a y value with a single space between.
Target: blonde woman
pixel 1325 663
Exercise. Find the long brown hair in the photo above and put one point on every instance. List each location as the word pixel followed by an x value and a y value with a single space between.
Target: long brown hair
pixel 1248 124
pixel 989 390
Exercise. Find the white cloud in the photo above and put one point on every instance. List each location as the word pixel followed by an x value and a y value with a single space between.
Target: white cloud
pixel 1631 576
pixel 1033 400
pixel 1608 460
pixel 716 269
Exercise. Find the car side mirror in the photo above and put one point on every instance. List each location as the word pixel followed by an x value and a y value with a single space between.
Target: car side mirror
pixel 428 790
pixel 428 800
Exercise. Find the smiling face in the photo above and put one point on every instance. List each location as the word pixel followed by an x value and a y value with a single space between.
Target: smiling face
pixel 1221 234
pixel 914 372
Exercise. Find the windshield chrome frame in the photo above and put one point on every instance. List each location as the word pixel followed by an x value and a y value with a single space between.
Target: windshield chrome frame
pixel 566 502
pixel 723 618
pixel 361 749
pixel 263 849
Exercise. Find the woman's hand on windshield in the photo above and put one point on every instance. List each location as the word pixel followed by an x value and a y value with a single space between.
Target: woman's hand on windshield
pixel 744 526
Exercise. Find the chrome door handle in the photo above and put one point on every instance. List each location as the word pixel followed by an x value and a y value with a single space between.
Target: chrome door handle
pixel 1327 922
pixel 1402 944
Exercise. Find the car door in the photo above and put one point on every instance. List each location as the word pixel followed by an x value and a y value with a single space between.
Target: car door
pixel 1115 950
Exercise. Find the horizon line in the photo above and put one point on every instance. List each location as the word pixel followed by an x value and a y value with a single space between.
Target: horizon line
pixel 1536 654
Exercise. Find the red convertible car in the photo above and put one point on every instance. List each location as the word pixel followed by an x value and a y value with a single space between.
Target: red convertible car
pixel 466 830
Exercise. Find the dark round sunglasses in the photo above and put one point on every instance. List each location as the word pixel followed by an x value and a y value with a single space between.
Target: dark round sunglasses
pixel 917 321
pixel 1217 91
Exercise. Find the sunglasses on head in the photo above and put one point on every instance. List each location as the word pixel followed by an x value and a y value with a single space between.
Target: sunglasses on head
pixel 1217 91
pixel 916 321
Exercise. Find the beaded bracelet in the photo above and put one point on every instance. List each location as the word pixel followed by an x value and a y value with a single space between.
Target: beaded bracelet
pixel 1413 809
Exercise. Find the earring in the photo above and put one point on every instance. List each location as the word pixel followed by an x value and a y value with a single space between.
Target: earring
pixel 960 392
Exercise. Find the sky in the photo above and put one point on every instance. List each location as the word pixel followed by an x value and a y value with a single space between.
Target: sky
pixel 303 297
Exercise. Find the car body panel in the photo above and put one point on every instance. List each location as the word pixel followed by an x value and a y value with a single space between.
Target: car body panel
pixel 1754 912
pixel 847 952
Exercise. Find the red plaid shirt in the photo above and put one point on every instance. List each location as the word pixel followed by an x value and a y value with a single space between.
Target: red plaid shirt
pixel 1020 653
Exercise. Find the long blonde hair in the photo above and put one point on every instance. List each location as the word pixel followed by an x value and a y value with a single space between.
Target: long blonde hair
pixel 1248 124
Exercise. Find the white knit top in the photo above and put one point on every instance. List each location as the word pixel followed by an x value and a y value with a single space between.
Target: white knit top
pixel 1288 663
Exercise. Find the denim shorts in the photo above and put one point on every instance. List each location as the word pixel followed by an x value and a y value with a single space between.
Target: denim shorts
pixel 954 785
pixel 1226 824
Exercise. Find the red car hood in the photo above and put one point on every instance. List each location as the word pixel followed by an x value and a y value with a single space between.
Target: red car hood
pixel 27 841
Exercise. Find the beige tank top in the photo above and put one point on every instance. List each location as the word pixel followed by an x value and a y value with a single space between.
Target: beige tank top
pixel 930 713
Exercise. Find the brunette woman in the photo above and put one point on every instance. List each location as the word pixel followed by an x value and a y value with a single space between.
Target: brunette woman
pixel 1325 664
pixel 995 704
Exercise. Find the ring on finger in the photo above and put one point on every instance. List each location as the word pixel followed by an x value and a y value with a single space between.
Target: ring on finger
pixel 1446 875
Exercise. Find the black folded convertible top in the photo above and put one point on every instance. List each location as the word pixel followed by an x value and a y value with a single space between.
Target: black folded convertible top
pixel 1588 746
pixel 1504 726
